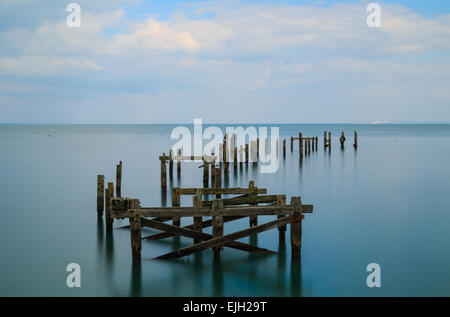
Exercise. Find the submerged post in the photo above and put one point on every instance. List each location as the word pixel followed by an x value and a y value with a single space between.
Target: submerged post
pixel 218 180
pixel 284 147
pixel 179 163
pixel 355 144
pixel 163 171
pixel 135 231
pixel 300 144
pixel 329 140
pixel 198 221
pixel 317 143
pixel 281 201
pixel 292 144
pixel 119 180
pixel 324 140
pixel 296 228
pixel 217 225
pixel 171 163
pixel 100 196
pixel 176 221
pixel 205 173
pixel 109 193
pixel 246 154
pixel 342 140
pixel 253 220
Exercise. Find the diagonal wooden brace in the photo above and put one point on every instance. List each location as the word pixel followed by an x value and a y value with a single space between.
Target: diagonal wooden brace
pixel 223 240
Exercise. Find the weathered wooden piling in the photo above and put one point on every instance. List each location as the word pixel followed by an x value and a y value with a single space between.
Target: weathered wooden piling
pixel 309 145
pixel 257 148
pixel 179 163
pixel 292 144
pixel 205 173
pixel 163 171
pixel 342 140
pixel 218 180
pixel 300 144
pixel 246 154
pixel 296 228
pixel 317 143
pixel 284 147
pixel 217 226
pixel 329 140
pixel 100 196
pixel 213 175
pixel 253 220
pixel 355 144
pixel 198 220
pixel 306 146
pixel 241 156
pixel 135 231
pixel 109 193
pixel 281 201
pixel 171 163
pixel 176 220
pixel 119 179
pixel 324 140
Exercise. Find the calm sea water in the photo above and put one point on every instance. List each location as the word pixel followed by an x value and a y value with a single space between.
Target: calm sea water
pixel 386 203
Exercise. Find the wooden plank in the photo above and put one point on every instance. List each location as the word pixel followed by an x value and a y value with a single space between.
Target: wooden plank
pixel 215 191
pixel 244 200
pixel 225 239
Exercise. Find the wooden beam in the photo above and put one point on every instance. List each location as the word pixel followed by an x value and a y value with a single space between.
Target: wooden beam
pixel 204 224
pixel 219 241
pixel 215 191
pixel 190 233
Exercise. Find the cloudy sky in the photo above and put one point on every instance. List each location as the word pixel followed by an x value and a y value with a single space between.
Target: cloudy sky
pixel 137 61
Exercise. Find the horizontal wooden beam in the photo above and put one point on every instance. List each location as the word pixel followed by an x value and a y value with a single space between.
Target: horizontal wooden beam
pixel 245 200
pixel 216 242
pixel 218 191
pixel 203 211
pixel 204 237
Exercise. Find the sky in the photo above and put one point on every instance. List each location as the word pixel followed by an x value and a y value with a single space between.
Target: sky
pixel 137 61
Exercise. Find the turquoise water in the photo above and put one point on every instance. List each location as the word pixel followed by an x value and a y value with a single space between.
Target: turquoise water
pixel 386 203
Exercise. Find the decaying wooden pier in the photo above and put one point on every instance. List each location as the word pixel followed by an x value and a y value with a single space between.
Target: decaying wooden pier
pixel 241 202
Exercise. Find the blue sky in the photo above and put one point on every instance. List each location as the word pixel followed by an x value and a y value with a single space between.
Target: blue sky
pixel 233 61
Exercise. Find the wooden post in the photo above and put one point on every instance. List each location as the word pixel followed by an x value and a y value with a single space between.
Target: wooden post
pixel 246 154
pixel 198 221
pixel 342 140
pixel 205 173
pixel 296 228
pixel 218 180
pixel 135 231
pixel 109 193
pixel 329 140
pixel 171 163
pixel 119 179
pixel 324 140
pixel 257 149
pixel 179 163
pixel 225 151
pixel 163 171
pixel 281 201
pixel 175 203
pixel 309 145
pixel 355 144
pixel 317 143
pixel 241 155
pixel 253 220
pixel 217 225
pixel 313 141
pixel 284 147
pixel 100 196
pixel 292 144
pixel 306 146
pixel 213 174
pixel 300 144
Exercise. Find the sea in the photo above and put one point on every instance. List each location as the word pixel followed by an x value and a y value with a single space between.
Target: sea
pixel 388 202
